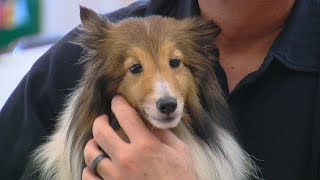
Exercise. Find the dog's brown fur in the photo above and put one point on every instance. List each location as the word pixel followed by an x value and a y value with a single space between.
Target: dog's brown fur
pixel 111 49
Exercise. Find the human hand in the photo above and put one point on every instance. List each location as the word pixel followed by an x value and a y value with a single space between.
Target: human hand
pixel 157 156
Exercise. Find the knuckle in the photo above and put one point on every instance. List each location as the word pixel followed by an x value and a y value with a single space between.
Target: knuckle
pixel 96 130
pixel 89 151
pixel 86 152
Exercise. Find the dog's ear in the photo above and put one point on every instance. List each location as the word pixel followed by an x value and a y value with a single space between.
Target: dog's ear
pixel 87 102
pixel 93 30
pixel 207 29
pixel 91 20
pixel 204 34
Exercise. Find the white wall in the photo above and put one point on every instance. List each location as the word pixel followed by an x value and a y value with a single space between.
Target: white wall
pixel 60 16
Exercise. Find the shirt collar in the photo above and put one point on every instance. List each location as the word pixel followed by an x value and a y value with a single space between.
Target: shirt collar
pixel 297 46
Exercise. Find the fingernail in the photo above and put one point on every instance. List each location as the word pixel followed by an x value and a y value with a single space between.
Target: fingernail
pixel 115 98
pixel 104 117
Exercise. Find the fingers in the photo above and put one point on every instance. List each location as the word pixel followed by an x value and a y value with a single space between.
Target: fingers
pixel 129 119
pixel 106 137
pixel 91 151
pixel 104 168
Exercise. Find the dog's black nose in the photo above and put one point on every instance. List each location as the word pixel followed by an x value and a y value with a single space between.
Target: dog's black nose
pixel 167 105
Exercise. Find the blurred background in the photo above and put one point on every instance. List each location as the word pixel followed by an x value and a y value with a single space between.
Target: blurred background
pixel 29 27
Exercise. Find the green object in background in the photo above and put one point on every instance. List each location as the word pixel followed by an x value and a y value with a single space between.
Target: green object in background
pixel 18 18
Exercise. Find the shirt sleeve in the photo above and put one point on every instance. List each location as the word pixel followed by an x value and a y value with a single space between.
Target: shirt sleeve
pixel 30 112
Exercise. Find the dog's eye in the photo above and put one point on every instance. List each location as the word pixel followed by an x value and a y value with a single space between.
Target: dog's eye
pixel 174 63
pixel 136 68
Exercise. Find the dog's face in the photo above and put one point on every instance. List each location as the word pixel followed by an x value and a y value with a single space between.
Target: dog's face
pixel 156 82
pixel 155 78
pixel 153 60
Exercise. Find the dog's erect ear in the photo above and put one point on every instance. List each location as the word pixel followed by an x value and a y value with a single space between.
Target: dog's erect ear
pixel 91 19
pixel 208 31
pixel 207 28
pixel 93 30
pixel 205 33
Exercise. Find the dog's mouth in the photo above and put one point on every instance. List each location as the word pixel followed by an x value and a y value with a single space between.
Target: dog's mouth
pixel 166 122
pixel 165 119
pixel 161 118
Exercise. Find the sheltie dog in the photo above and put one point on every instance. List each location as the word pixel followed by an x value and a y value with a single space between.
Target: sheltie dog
pixel 164 68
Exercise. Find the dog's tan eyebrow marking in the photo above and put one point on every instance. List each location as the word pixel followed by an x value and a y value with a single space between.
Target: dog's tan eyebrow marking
pixel 177 54
pixel 130 61
pixel 135 55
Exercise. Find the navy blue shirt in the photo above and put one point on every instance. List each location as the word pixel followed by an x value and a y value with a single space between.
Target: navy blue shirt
pixel 276 108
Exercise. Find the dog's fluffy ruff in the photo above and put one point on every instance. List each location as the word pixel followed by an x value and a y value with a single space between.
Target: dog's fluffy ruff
pixel 53 158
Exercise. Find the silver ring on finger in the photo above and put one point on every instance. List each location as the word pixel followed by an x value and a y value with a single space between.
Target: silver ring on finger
pixel 96 161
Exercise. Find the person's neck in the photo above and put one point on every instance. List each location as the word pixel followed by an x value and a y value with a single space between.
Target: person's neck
pixel 248 30
pixel 245 22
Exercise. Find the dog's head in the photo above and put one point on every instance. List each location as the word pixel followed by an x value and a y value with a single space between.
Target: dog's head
pixel 156 63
